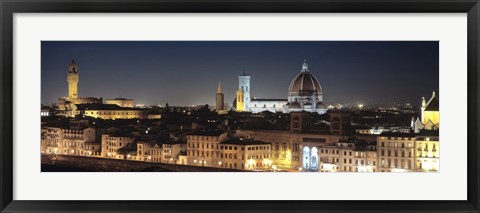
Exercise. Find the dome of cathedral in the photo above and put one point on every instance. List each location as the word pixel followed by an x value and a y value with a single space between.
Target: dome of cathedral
pixel 305 84
pixel 320 105
pixel 295 105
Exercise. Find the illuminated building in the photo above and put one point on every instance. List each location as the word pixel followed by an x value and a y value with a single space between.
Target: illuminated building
pixel 263 104
pixel 107 111
pixel 239 101
pixel 244 86
pixel 51 140
pixel 217 149
pixel 171 151
pixel 427 152
pixel 202 147
pixel 304 94
pixel 65 103
pixel 396 152
pixel 72 79
pixel 430 115
pixel 78 142
pixel 430 112
pixel 144 150
pixel 118 108
pixel 117 145
pixel 293 150
pixel 123 102
pixel 349 155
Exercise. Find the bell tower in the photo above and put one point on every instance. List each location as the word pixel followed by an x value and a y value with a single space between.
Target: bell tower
pixel 244 85
pixel 72 79
pixel 219 103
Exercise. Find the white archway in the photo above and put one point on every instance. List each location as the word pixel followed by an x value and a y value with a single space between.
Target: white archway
pixel 314 159
pixel 306 158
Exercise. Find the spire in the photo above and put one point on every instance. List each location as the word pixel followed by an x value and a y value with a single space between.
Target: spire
pixel 305 66
pixel 433 94
pixel 423 102
pixel 219 90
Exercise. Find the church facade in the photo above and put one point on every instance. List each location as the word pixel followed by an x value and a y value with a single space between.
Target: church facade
pixel 304 94
pixel 430 115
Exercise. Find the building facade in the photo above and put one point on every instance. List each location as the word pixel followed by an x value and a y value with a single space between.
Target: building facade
pixel 112 143
pixel 107 111
pixel 122 102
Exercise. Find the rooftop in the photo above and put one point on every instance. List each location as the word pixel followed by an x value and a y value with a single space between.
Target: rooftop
pixel 237 141
pixel 102 107
pixel 207 132
pixel 397 134
pixel 269 99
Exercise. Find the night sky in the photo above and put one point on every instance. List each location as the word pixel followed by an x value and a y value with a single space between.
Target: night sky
pixel 188 72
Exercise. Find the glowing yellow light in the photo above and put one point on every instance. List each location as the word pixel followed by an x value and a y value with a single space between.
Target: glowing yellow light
pixel 219 163
pixel 360 106
pixel 251 161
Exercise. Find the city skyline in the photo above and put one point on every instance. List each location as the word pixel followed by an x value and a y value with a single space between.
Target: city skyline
pixel 156 72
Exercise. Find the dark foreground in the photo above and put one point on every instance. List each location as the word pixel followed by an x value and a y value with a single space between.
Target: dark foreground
pixel 52 168
pixel 68 163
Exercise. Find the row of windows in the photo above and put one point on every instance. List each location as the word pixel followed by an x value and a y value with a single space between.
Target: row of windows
pixel 399 138
pixel 395 163
pixel 203 138
pixel 396 144
pixel 352 168
pixel 426 146
pixel 395 153
pixel 115 144
pixel 72 131
pixel 111 113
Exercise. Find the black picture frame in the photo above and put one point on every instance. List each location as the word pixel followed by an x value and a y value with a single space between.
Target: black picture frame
pixel 9 7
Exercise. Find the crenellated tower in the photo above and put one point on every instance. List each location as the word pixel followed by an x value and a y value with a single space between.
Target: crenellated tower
pixel 72 79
